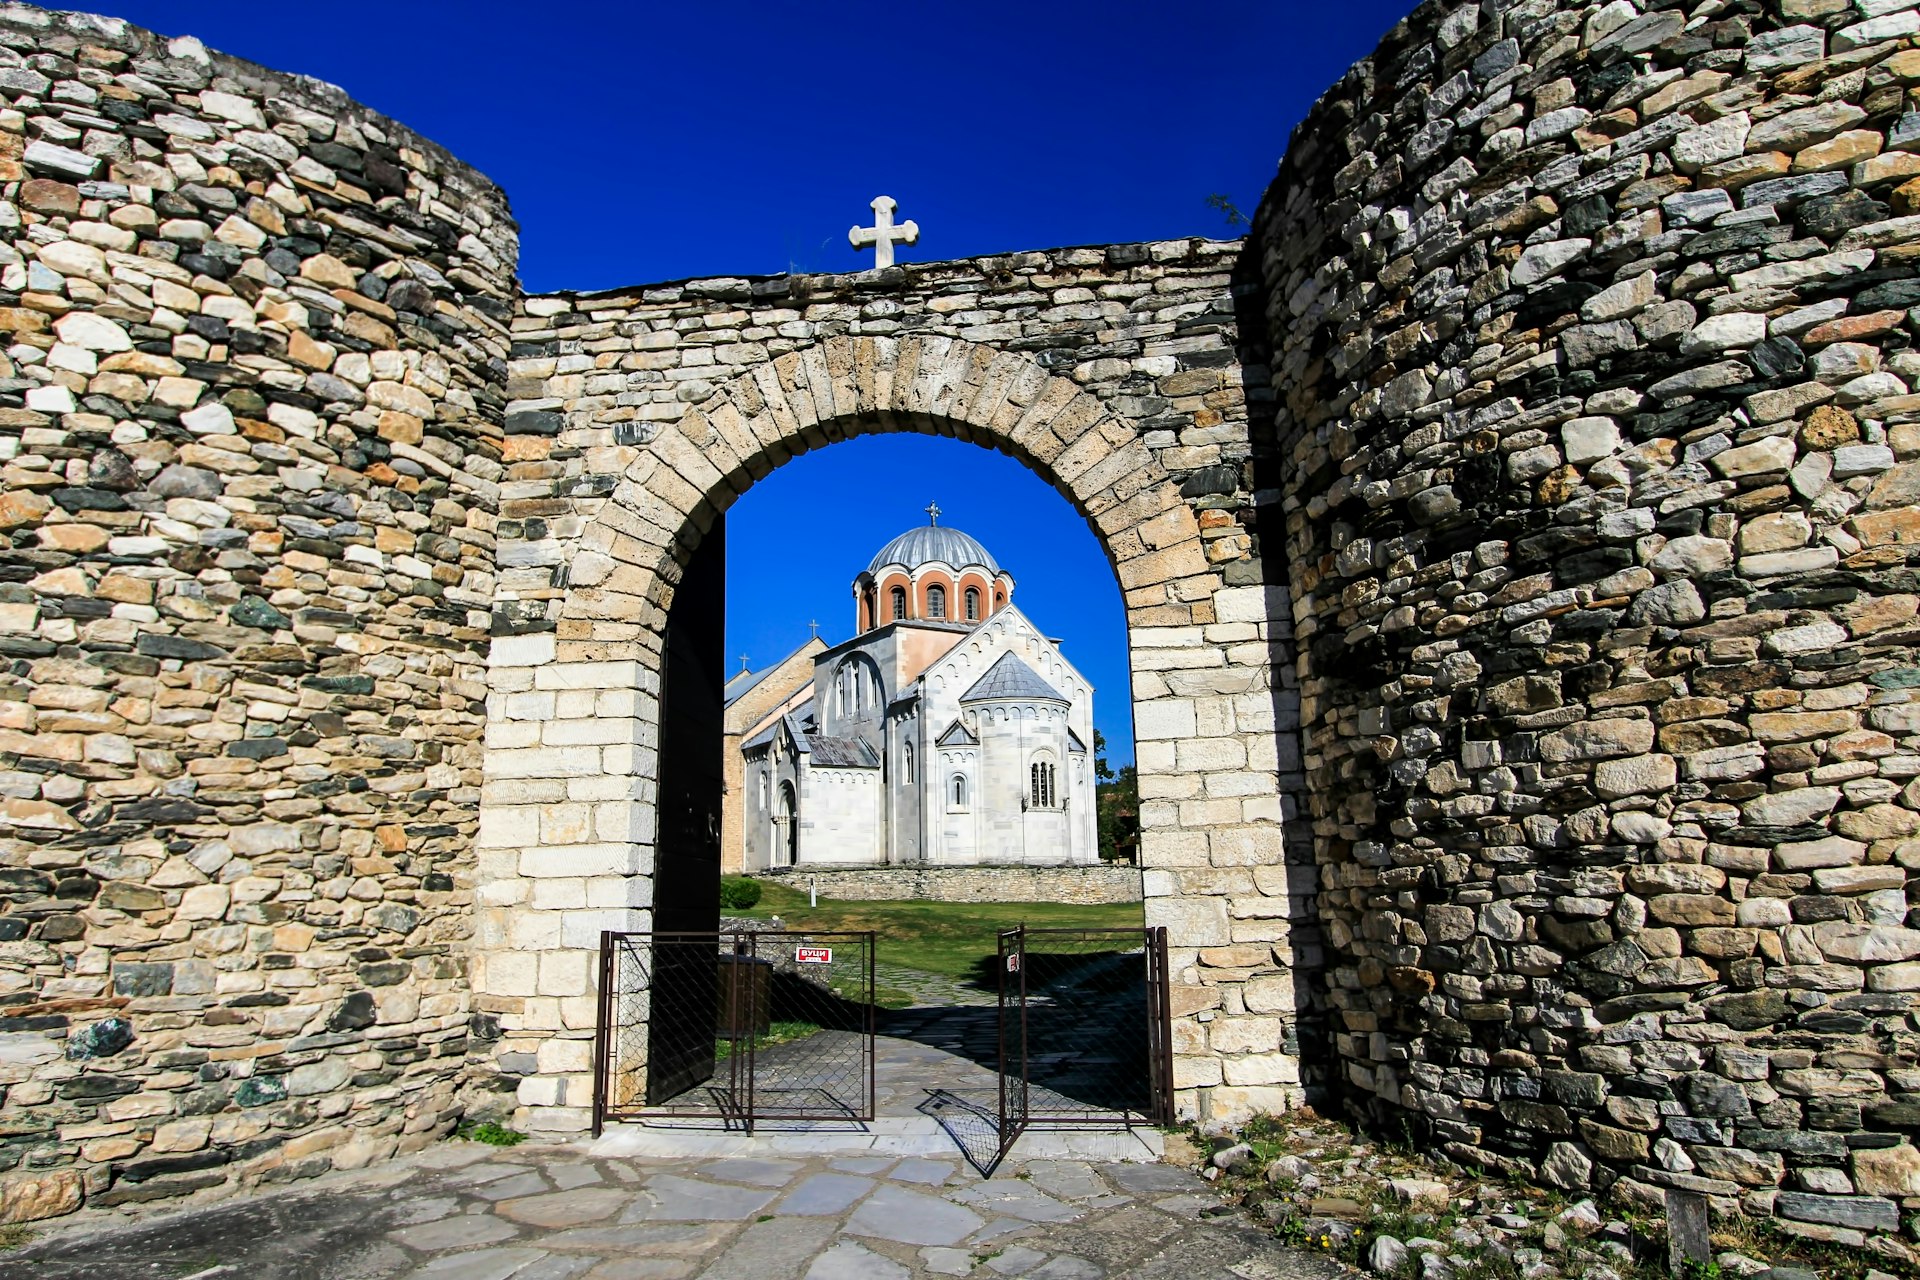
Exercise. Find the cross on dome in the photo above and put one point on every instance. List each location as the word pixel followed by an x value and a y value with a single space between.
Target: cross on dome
pixel 933 512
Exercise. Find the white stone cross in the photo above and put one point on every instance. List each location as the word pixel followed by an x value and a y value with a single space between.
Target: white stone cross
pixel 883 233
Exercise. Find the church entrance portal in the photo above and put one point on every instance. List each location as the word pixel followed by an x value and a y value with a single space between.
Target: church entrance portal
pixel 789 826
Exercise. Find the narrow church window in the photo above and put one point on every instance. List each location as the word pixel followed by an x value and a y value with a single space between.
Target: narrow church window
pixel 906 761
pixel 936 602
pixel 973 604
pixel 959 791
pixel 1043 787
pixel 899 603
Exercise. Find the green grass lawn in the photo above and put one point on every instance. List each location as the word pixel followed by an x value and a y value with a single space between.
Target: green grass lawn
pixel 950 938
pixel 776 1033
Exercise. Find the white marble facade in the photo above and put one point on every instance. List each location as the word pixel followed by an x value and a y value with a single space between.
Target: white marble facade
pixel 928 738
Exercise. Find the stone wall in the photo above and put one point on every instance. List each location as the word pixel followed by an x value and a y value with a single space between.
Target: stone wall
pixel 638 416
pixel 249 436
pixel 1080 885
pixel 1593 351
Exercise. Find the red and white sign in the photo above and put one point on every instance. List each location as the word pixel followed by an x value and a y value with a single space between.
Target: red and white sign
pixel 1013 962
pixel 813 955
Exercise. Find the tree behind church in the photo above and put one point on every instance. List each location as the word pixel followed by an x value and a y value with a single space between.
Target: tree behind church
pixel 1116 795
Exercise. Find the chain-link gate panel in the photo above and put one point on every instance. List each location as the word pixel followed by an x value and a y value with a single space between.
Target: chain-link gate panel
pixel 1074 1006
pixel 814 1052
pixel 735 1027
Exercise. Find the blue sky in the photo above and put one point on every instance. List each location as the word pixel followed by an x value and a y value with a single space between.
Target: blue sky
pixel 648 141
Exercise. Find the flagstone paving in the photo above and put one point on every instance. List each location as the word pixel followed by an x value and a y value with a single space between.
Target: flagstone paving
pixel 460 1211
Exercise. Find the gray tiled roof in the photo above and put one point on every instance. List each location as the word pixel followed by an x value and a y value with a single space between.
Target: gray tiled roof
pixel 841 753
pixel 1011 678
pixel 956 736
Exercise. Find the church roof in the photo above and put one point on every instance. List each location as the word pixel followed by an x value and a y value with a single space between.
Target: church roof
pixel 1074 744
pixel 842 753
pixel 1011 678
pixel 956 736
pixel 744 682
pixel 934 542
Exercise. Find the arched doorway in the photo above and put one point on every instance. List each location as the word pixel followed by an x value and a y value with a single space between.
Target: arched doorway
pixel 789 821
pixel 1209 713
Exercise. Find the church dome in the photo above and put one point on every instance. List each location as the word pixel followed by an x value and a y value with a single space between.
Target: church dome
pixel 934 542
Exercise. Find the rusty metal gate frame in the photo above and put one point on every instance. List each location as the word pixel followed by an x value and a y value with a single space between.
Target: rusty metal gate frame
pixel 1017 1010
pixel 742 1094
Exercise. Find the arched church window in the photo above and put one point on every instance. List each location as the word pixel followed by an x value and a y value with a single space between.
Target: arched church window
pixel 973 604
pixel 936 602
pixel 899 603
pixel 906 762
pixel 1043 794
pixel 959 791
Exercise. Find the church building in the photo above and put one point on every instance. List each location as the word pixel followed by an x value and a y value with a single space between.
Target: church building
pixel 950 730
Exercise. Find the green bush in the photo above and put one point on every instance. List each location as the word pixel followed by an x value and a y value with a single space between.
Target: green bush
pixel 739 893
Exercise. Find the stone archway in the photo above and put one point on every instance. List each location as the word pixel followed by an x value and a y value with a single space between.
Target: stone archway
pixel 569 825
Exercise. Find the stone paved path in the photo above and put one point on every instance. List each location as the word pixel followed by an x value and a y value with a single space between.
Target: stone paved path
pixel 466 1212
pixel 931 989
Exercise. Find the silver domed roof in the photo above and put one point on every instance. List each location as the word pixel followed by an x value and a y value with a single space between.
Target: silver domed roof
pixel 932 542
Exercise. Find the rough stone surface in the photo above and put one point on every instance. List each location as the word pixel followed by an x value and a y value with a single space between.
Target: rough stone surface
pixel 433 1216
pixel 250 413
pixel 1602 764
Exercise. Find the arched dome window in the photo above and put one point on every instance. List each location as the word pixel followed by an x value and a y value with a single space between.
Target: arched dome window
pixel 899 603
pixel 936 601
pixel 906 762
pixel 959 791
pixel 973 604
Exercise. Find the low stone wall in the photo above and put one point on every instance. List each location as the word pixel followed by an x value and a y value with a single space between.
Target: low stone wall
pixel 1078 885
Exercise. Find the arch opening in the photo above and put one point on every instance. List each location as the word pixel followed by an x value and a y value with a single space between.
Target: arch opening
pixel 645 584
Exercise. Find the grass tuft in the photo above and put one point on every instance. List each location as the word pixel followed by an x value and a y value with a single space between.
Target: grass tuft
pixel 494 1135
pixel 776 1033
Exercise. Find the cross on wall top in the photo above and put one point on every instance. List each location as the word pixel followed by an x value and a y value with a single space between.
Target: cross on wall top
pixel 882 234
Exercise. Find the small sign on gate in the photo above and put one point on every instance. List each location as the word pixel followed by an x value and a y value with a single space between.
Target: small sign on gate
pixel 1013 962
pixel 813 955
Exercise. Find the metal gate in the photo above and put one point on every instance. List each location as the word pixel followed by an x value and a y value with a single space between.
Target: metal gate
pixel 734 1027
pixel 1086 1037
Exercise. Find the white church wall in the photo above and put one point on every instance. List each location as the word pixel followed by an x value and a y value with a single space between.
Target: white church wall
pixel 840 816
pixel 957 824
pixel 907 757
